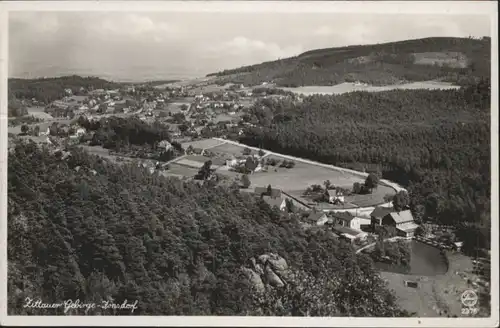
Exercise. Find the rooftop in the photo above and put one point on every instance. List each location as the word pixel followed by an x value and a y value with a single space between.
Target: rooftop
pixel 344 216
pixel 273 201
pixel 402 217
pixel 380 212
pixel 344 230
pixel 315 216
pixel 408 226
pixel 263 190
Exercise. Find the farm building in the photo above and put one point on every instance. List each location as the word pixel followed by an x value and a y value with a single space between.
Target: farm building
pixel 275 201
pixel 335 196
pixel 275 193
pixel 379 213
pixel 164 144
pixel 348 220
pixel 403 221
pixel 319 217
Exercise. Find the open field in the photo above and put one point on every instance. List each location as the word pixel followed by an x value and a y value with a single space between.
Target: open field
pixel 227 117
pixel 377 197
pixel 231 149
pixel 351 87
pixel 39 112
pixel 435 294
pixel 203 143
pixel 452 59
pixel 95 150
pixel 185 83
pixel 216 161
pixel 209 88
pixel 189 163
pixel 175 107
pixel 180 170
pixel 295 180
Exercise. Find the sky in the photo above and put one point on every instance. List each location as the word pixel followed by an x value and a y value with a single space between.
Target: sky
pixel 128 46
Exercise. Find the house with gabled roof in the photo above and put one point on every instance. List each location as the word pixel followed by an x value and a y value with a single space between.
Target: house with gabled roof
pixel 378 214
pixel 349 234
pixel 279 202
pixel 320 218
pixel 346 219
pixel 275 193
pixel 402 221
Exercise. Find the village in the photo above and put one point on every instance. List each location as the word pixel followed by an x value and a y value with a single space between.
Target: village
pixel 203 120
pixel 202 117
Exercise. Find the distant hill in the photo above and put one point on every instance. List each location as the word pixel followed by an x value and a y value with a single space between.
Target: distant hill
pixel 457 60
pixel 50 89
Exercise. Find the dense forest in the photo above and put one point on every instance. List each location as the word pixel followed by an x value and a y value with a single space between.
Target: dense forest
pixel 131 135
pixel 437 143
pixel 47 90
pixel 80 227
pixel 377 64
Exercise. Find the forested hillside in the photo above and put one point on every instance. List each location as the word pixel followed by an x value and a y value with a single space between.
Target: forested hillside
pixel 457 60
pixel 49 89
pixel 435 142
pixel 177 247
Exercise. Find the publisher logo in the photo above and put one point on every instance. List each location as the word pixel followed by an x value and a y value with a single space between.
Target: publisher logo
pixel 469 298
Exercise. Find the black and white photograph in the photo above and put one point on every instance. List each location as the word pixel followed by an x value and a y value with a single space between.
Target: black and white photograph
pixel 249 163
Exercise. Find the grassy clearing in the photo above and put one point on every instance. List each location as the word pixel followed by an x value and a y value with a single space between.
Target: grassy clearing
pixel 452 59
pixel 209 88
pixel 216 161
pixel 230 149
pixel 299 178
pixel 204 143
pixel 227 117
pixel 351 87
pixel 303 175
pixel 189 163
pixel 375 198
pixel 180 170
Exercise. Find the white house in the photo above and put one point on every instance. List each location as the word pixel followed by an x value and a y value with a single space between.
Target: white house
pixel 278 202
pixel 80 132
pixel 346 219
pixel 165 144
pixel 232 162
pixel 335 196
pixel 44 133
pixel 319 218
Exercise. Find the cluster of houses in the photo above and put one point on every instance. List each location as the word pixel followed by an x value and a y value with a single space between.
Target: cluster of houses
pixel 247 163
pixel 346 224
pixel 101 101
pixel 353 227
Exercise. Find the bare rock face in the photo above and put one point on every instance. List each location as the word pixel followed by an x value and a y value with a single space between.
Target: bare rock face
pixel 263 258
pixel 277 262
pixel 255 279
pixel 272 278
pixel 268 269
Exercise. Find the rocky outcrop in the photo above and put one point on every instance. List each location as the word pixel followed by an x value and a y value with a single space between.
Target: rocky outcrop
pixel 267 270
pixel 255 279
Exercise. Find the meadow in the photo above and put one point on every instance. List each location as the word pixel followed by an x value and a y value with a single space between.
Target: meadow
pixel 296 180
pixel 352 87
